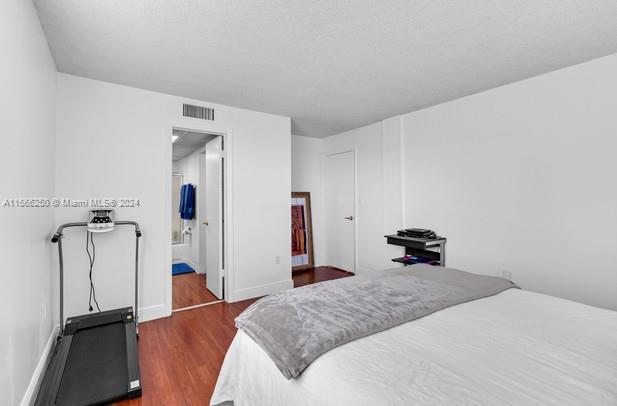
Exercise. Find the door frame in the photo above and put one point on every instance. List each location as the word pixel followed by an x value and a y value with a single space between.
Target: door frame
pixel 355 199
pixel 228 246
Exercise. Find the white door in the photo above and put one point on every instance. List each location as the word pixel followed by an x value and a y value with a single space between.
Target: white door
pixel 201 213
pixel 340 211
pixel 212 222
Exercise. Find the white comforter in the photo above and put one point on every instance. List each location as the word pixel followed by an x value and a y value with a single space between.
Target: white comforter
pixel 515 348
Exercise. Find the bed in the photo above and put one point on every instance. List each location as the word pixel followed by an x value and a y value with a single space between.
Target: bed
pixel 511 348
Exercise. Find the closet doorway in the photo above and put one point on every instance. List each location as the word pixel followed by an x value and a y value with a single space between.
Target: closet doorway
pixel 197 219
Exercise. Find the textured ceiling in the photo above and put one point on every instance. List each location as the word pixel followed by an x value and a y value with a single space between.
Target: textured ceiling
pixel 329 65
pixel 187 143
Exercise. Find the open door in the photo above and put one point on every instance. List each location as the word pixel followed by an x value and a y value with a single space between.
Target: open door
pixel 201 213
pixel 212 224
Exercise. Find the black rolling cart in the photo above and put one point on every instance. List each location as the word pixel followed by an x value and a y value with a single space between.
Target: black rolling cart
pixel 420 250
pixel 94 360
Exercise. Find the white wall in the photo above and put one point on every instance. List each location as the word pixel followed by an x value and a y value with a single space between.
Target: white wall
pixel 27 114
pixel 133 128
pixel 306 176
pixel 524 178
pixel 189 250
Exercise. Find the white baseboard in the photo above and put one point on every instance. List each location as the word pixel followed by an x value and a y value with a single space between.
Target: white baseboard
pixel 262 290
pixel 152 313
pixel 193 265
pixel 39 372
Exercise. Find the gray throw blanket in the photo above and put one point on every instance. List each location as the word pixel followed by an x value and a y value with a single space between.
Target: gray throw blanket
pixel 296 326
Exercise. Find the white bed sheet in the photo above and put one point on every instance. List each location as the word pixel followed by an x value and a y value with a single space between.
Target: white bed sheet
pixel 515 348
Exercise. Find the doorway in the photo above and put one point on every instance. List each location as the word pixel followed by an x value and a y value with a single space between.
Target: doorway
pixel 340 188
pixel 197 219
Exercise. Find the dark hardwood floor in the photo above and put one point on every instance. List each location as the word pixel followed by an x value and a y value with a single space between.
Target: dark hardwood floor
pixel 181 356
pixel 189 289
pixel 319 274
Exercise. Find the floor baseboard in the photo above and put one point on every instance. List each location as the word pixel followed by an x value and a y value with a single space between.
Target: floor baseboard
pixel 39 371
pixel 152 313
pixel 262 290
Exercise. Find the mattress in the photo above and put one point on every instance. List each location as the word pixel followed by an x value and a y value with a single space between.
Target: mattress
pixel 514 348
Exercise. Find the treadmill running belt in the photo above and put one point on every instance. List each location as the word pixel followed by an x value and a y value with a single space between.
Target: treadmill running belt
pixel 96 368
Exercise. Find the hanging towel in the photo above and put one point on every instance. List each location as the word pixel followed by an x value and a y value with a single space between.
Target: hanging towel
pixel 187 201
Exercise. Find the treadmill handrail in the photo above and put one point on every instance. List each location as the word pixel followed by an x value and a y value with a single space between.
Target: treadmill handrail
pixel 57 238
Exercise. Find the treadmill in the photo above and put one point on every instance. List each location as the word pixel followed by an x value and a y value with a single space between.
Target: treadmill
pixel 94 360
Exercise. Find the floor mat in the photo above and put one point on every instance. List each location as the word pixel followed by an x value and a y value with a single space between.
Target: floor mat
pixel 180 268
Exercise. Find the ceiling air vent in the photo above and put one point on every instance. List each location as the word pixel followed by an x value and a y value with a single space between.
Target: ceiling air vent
pixel 204 113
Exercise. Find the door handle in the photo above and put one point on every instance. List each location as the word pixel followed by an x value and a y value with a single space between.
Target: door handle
pixel 350 218
pixel 206 222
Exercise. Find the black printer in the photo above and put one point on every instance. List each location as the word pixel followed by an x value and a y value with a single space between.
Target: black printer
pixel 417 233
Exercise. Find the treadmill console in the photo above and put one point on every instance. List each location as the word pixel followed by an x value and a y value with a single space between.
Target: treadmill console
pixel 100 220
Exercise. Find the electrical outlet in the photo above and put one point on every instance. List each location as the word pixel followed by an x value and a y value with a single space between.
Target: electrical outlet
pixel 277 260
pixel 506 274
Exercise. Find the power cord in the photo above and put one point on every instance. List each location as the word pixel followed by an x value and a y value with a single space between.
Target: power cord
pixel 91 257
